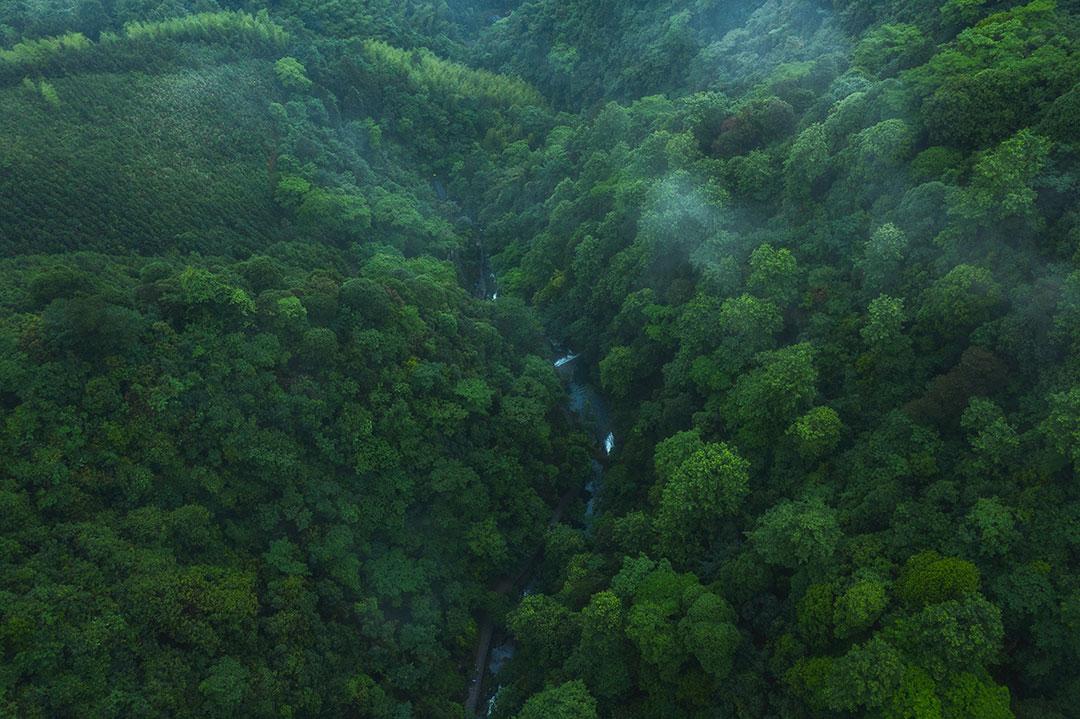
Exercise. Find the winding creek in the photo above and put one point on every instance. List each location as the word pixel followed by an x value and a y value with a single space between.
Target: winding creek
pixel 586 403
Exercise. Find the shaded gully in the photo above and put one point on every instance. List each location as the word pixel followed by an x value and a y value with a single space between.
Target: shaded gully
pixel 589 407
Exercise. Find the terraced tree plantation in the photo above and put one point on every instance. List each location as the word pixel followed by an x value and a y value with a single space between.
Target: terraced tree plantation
pixel 143 162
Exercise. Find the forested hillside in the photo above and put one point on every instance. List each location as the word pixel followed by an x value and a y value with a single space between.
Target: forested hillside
pixel 540 360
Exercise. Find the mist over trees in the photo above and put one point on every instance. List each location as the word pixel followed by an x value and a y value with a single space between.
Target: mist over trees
pixel 283 285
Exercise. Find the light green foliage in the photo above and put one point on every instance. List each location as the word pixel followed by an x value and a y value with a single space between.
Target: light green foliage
pixel 991 527
pixel 723 337
pixel 773 274
pixel 765 401
pixel 872 674
pixel 916 697
pixel 806 162
pixel 291 190
pixel 816 433
pixel 650 627
pixel 710 635
pixel 41 89
pixel 602 658
pixel 225 687
pixel 618 371
pixel 1063 424
pixel 881 148
pixel 225 27
pixel 928 578
pixel 962 12
pixel 652 618
pixel 456 80
pixel 340 215
pixel 992 438
pixel 48 94
pixel 757 174
pixel 568 701
pixel 30 54
pixel 201 287
pixel 960 301
pixel 291 308
pixel 972 696
pixel 675 624
pixel 210 26
pixel 292 74
pixel 883 332
pixel 937 163
pixel 883 257
pixel 547 629
pixel 891 48
pixel 707 485
pixel 951 637
pixel 867 677
pixel 815 612
pixel 797 535
pixel 888 347
pixel 1000 186
pixel 476 394
pixel 563 58
pixel 997 74
pixel 672 452
pixel 859 606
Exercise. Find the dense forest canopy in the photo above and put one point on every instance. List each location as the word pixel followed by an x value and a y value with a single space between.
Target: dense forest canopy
pixel 540 359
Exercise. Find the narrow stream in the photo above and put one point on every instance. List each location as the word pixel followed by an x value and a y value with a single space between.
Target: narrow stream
pixel 588 405
pixel 592 412
pixel 487 286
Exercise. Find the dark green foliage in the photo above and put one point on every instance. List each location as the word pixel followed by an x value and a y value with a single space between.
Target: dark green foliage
pixel 279 431
pixel 826 272
pixel 248 479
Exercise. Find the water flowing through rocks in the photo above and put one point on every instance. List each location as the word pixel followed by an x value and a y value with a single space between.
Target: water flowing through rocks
pixel 588 405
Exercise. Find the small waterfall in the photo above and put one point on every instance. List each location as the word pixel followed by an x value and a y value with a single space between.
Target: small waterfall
pixel 565 360
pixel 491 702
pixel 591 410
